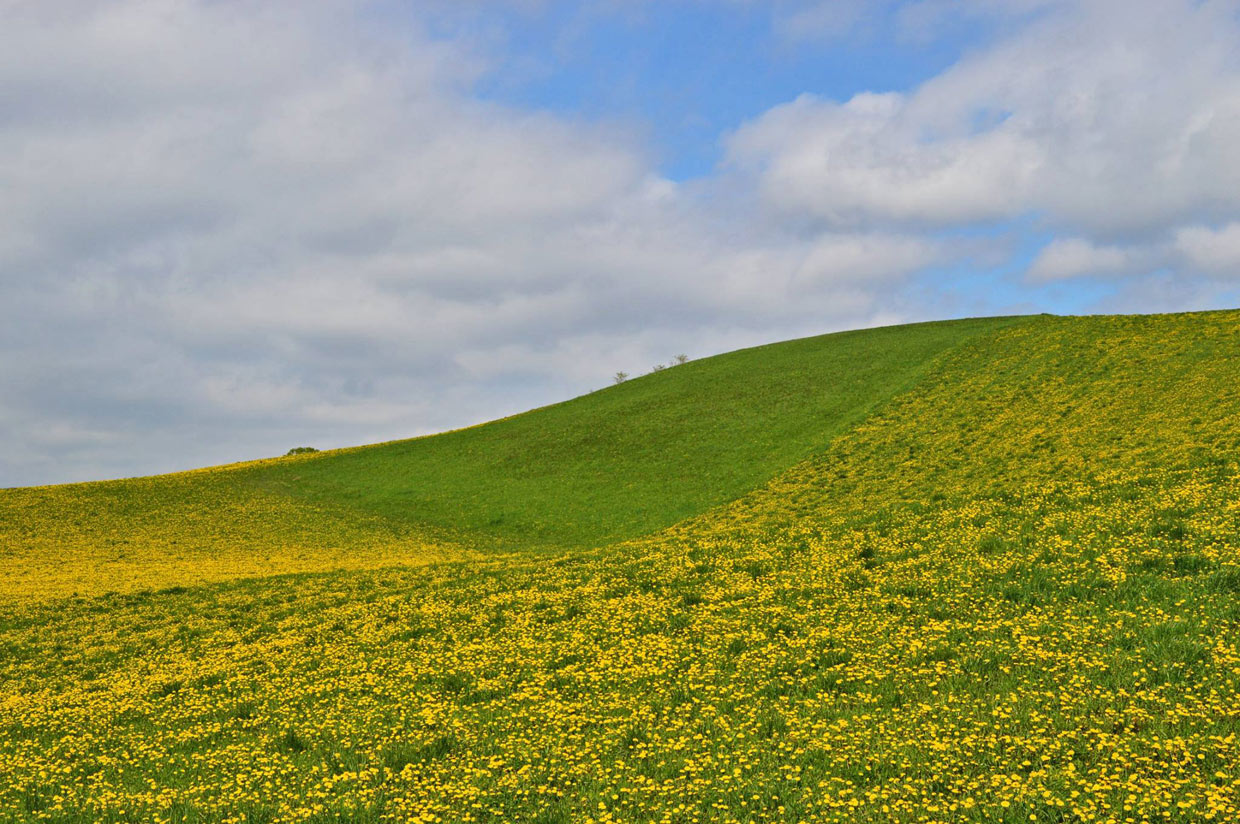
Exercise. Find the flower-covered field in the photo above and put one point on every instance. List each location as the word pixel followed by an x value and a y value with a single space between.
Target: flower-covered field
pixel 1010 594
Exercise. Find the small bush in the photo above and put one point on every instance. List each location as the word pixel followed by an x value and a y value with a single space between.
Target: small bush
pixel 300 450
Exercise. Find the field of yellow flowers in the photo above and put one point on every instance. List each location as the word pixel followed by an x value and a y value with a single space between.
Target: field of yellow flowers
pixel 188 529
pixel 1011 594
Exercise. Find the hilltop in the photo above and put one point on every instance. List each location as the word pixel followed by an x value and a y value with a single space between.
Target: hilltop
pixel 969 571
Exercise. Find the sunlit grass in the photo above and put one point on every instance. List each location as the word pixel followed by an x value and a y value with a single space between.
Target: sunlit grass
pixel 1012 593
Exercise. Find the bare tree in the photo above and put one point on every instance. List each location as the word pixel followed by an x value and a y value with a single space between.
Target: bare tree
pixel 679 359
pixel 620 377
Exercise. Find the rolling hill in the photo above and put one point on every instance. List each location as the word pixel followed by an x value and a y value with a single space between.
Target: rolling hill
pixel 980 570
pixel 608 466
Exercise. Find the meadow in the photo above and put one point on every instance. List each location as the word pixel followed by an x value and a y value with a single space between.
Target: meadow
pixel 969 572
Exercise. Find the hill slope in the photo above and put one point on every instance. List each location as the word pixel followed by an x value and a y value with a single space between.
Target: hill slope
pixel 633 458
pixel 1058 400
pixel 615 464
pixel 1010 592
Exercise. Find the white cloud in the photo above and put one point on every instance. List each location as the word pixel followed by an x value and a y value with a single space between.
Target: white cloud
pixel 865 160
pixel 229 228
pixel 865 259
pixel 1103 117
pixel 1193 252
pixel 1215 251
pixel 1073 257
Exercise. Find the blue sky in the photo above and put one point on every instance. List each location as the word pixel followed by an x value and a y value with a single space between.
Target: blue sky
pixel 231 228
pixel 688 72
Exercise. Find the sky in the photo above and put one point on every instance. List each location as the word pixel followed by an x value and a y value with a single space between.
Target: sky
pixel 230 228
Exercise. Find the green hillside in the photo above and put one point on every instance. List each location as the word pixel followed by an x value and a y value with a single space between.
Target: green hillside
pixel 981 571
pixel 1051 400
pixel 634 458
pixel 615 464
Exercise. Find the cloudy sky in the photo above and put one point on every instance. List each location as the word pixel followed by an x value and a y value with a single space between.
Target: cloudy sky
pixel 229 228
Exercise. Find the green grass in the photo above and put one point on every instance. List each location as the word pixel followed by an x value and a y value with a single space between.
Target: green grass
pixel 634 458
pixel 1049 400
pixel 982 571
pixel 938 667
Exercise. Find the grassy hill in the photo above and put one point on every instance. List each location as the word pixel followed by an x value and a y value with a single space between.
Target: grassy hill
pixel 978 571
pixel 631 459
pixel 608 466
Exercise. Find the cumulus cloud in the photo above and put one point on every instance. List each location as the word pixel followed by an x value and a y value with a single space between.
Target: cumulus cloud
pixel 865 160
pixel 1101 117
pixel 1210 253
pixel 232 228
pixel 1216 251
pixel 1073 257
